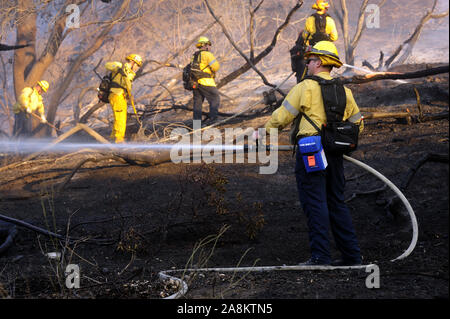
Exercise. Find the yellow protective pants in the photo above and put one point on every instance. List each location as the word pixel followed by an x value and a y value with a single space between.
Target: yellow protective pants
pixel 119 106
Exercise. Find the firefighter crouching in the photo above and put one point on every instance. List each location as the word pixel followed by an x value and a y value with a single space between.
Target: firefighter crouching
pixel 321 193
pixel 122 77
pixel 30 100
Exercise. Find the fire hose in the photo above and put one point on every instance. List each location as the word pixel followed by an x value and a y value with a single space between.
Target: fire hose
pixel 165 274
pixel 183 287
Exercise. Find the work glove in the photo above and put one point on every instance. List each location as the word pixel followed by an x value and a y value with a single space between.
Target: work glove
pixel 43 119
pixel 29 110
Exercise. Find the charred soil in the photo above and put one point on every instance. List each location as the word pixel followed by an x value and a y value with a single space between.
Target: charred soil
pixel 159 218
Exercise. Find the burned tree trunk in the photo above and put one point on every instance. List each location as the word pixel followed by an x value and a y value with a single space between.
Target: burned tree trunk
pixel 350 44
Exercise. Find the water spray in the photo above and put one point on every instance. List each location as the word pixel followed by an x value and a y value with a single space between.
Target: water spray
pixel 367 71
pixel 30 146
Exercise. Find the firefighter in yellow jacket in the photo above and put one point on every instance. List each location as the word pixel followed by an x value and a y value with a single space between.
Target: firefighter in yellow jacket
pixel 122 77
pixel 321 192
pixel 318 27
pixel 30 100
pixel 205 72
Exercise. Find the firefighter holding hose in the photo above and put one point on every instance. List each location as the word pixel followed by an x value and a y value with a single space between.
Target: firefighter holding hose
pixel 321 192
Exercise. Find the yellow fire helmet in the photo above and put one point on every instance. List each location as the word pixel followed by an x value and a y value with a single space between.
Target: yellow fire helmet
pixel 135 58
pixel 321 5
pixel 44 85
pixel 327 52
pixel 202 41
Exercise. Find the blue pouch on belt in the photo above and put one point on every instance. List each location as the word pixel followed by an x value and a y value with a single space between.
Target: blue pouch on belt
pixel 312 153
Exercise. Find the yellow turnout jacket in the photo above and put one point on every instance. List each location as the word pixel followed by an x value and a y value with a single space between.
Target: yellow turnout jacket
pixel 29 99
pixel 122 76
pixel 310 29
pixel 306 97
pixel 208 64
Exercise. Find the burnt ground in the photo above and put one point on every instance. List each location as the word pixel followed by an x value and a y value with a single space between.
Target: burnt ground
pixel 161 217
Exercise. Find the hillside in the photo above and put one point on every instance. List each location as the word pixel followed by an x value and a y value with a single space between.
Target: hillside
pixel 130 219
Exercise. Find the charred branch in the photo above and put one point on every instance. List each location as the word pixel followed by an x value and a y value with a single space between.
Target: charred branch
pixel 408 45
pixel 342 16
pixel 69 240
pixel 247 66
pixel 249 62
pixel 166 63
pixel 358 79
pixel 430 157
pixel 5 47
pixel 98 42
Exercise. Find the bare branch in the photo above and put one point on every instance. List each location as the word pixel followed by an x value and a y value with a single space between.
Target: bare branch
pixel 408 44
pixel 357 79
pixel 236 73
pixel 99 41
pixel 224 29
pixel 179 52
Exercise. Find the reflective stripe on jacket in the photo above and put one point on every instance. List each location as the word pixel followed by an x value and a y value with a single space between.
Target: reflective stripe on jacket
pixel 306 97
pixel 122 81
pixel 208 64
pixel 29 99
pixel 310 29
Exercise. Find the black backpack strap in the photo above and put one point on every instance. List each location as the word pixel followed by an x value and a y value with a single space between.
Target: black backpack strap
pixel 197 56
pixel 196 72
pixel 334 103
pixel 311 122
pixel 334 97
pixel 114 84
pixel 320 21
pixel 295 130
pixel 296 122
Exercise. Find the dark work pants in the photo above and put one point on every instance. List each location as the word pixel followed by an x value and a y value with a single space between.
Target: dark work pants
pixel 22 125
pixel 211 93
pixel 322 197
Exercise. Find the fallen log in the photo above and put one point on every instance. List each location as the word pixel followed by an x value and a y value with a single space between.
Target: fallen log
pixel 73 130
pixel 378 115
pixel 359 79
pixel 47 233
pixel 408 117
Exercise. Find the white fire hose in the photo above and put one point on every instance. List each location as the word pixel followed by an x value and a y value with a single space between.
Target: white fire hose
pixel 183 287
